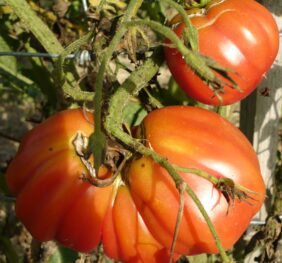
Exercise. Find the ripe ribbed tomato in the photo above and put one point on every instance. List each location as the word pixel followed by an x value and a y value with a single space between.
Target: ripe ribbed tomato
pixel 195 138
pixel 241 37
pixel 53 201
pixel 135 217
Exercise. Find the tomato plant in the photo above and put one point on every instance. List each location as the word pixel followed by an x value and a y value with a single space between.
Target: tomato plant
pixel 195 138
pixel 243 38
pixel 135 216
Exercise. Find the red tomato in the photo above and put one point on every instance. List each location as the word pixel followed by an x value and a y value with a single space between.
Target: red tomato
pixel 195 138
pixel 241 37
pixel 53 202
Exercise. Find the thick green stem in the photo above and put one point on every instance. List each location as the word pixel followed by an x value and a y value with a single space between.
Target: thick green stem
pixel 131 87
pixel 106 59
pixel 98 137
pixel 192 33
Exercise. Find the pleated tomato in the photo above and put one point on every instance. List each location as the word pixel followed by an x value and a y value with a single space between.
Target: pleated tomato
pixel 243 38
pixel 195 138
pixel 55 203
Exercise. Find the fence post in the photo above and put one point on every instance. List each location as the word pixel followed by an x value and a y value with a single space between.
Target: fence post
pixel 261 113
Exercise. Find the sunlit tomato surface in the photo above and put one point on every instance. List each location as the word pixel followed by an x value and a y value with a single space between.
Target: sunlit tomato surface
pixel 54 203
pixel 241 36
pixel 195 138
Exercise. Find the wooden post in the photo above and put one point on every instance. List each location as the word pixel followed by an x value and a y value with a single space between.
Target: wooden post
pixel 260 114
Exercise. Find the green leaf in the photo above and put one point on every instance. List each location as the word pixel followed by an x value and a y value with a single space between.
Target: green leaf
pixel 133 113
pixel 63 255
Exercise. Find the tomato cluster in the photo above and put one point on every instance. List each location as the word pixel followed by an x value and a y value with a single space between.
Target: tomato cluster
pixel 135 217
pixel 243 38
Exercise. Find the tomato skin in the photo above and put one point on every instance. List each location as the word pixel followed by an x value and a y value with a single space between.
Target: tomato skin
pixel 117 243
pixel 242 38
pixel 195 138
pixel 54 203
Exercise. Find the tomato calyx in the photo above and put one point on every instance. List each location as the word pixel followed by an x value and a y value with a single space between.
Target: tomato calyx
pixel 231 192
pixel 80 144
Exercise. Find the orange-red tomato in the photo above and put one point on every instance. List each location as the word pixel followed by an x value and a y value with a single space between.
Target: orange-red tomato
pixel 240 35
pixel 54 203
pixel 195 138
pixel 135 217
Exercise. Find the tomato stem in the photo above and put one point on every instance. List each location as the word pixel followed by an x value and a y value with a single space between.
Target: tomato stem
pixel 98 135
pixel 181 188
pixel 214 180
pixel 192 33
